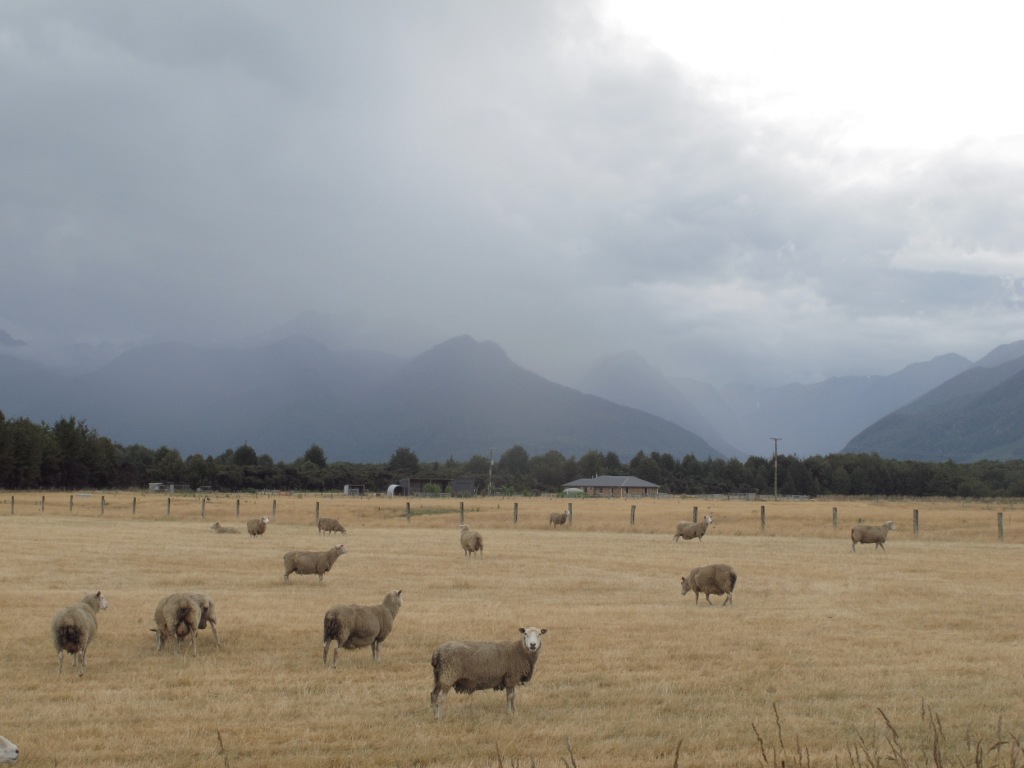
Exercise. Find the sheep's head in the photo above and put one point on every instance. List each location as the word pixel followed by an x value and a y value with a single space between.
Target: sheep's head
pixel 707 519
pixel 101 601
pixel 265 520
pixel 890 525
pixel 531 638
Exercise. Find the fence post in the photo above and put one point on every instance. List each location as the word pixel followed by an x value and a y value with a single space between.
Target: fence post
pixel 916 523
pixel 273 510
pixel 570 513
pixel 695 514
pixel 42 504
pixel 318 512
pixel 632 515
pixel 238 504
pixel 168 506
pixel 12 505
pixel 134 499
pixel 202 509
pixel 515 513
pixel 103 504
pixel 835 517
pixel 71 502
pixel 1000 524
pixel 762 517
pixel 408 512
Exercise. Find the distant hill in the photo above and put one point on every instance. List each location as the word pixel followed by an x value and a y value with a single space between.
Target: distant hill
pixel 978 414
pixel 458 399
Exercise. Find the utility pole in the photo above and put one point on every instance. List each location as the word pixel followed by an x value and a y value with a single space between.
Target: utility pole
pixel 776 454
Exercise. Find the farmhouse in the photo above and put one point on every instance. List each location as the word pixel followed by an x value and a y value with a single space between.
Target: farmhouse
pixel 613 486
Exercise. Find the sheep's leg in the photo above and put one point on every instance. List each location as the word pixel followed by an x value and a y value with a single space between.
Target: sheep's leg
pixel 853 548
pixel 194 644
pixel 707 596
pixel 437 697
pixel 510 699
pixel 60 662
pixel 375 647
pixel 216 639
pixel 880 544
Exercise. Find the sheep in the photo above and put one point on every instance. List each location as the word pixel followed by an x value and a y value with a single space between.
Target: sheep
pixel 471 541
pixel 329 525
pixel 715 579
pixel 9 752
pixel 469 666
pixel 184 614
pixel 257 526
pixel 692 530
pixel 870 534
pixel 358 626
pixel 222 529
pixel 305 563
pixel 74 628
pixel 559 518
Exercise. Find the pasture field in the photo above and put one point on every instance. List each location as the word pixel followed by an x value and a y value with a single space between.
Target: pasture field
pixel 819 642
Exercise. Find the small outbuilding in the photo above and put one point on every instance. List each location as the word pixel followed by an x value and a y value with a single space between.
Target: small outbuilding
pixel 613 486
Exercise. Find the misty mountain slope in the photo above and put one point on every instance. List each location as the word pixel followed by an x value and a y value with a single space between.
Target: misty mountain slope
pixel 976 415
pixel 818 419
pixel 627 378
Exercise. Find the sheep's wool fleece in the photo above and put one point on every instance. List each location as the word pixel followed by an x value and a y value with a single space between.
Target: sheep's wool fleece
pixel 478 666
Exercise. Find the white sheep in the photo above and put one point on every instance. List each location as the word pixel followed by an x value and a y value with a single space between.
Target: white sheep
pixel 305 563
pixel 715 579
pixel 469 666
pixel 257 526
pixel 559 518
pixel 224 529
pixel 358 626
pixel 471 541
pixel 182 615
pixel 329 525
pixel 74 628
pixel 9 752
pixel 690 531
pixel 870 534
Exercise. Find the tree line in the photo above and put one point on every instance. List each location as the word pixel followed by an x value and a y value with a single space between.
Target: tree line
pixel 70 455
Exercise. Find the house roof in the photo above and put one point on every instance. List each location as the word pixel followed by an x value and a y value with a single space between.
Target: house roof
pixel 610 481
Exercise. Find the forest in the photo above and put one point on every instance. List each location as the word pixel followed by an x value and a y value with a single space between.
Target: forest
pixel 70 455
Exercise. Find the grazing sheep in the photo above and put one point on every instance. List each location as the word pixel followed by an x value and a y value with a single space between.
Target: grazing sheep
pixel 470 666
pixel 305 563
pixel 221 529
pixel 184 614
pixel 870 534
pixel 471 541
pixel 692 530
pixel 358 626
pixel 9 752
pixel 74 628
pixel 559 518
pixel 715 579
pixel 257 526
pixel 329 525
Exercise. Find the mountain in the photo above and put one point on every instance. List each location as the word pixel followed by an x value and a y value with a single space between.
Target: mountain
pixel 978 414
pixel 460 398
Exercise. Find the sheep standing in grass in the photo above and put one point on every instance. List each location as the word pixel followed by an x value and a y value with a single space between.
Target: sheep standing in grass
pixel 182 615
pixel 692 530
pixel 257 526
pixel 222 529
pixel 9 752
pixel 559 518
pixel 74 628
pixel 329 525
pixel 358 626
pixel 870 534
pixel 715 579
pixel 305 563
pixel 471 541
pixel 470 666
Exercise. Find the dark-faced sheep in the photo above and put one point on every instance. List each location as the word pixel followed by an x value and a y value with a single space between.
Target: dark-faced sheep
pixel 358 626
pixel 182 615
pixel 472 541
pixel 329 525
pixel 870 534
pixel 224 529
pixel 306 563
pixel 710 580
pixel 9 752
pixel 559 518
pixel 74 628
pixel 257 526
pixel 690 531
pixel 469 666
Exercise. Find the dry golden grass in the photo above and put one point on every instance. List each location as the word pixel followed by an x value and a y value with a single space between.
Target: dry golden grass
pixel 629 669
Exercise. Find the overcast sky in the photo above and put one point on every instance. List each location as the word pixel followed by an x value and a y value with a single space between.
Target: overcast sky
pixel 780 191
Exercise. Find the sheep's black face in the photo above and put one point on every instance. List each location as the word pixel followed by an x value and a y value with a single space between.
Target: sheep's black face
pixel 531 638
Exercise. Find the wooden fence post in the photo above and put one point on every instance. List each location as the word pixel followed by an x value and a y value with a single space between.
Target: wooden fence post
pixel 515 513
pixel 835 518
pixel 632 515
pixel 134 499
pixel 168 506
pixel 202 509
pixel 12 505
pixel 273 510
pixel 103 504
pixel 1000 524
pixel 408 512
pixel 71 502
pixel 42 504
pixel 238 504
pixel 762 517
pixel 570 513
pixel 695 514
pixel 318 512
pixel 917 526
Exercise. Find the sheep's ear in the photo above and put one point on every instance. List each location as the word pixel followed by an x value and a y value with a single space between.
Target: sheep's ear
pixel 522 630
pixel 543 631
pixel 398 593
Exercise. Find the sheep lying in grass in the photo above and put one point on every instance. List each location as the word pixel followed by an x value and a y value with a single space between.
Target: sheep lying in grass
pixel 182 615
pixel 692 530
pixel 305 563
pixel 74 628
pixel 715 579
pixel 9 752
pixel 329 525
pixel 477 666
pixel 559 518
pixel 257 526
pixel 222 529
pixel 471 541
pixel 870 534
pixel 358 626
